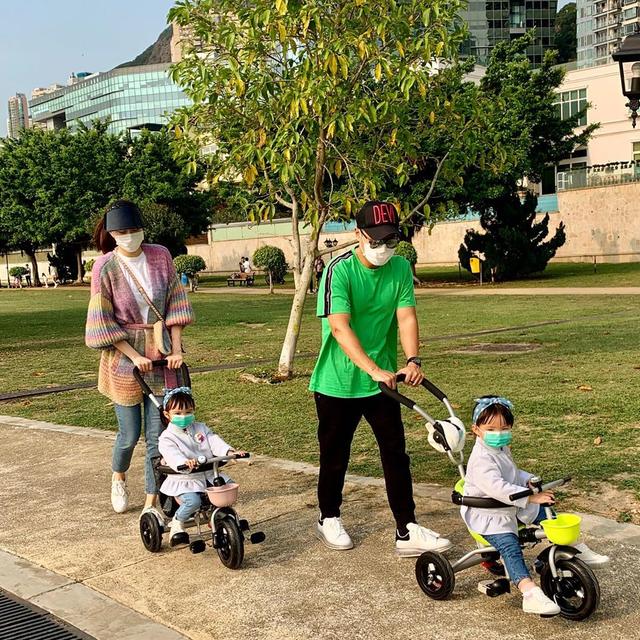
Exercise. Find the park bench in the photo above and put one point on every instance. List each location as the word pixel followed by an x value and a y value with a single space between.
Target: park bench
pixel 240 279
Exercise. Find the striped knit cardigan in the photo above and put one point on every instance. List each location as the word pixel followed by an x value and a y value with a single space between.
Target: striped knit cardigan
pixel 114 315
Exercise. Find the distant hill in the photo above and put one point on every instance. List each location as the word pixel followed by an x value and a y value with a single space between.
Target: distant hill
pixel 159 52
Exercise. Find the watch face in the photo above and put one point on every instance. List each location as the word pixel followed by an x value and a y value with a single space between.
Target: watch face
pixel 417 361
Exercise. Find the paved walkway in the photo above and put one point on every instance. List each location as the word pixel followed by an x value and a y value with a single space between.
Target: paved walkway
pixel 56 514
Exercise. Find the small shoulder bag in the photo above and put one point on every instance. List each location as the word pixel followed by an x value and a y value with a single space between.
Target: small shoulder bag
pixel 159 326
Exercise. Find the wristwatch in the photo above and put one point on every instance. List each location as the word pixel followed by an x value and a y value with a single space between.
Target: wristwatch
pixel 417 360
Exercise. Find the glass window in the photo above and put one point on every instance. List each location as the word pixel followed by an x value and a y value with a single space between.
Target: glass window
pixel 572 102
pixel 636 151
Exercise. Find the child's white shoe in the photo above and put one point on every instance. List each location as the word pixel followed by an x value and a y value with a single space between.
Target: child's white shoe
pixel 534 601
pixel 177 533
pixel 590 557
pixel 119 495
pixel 418 540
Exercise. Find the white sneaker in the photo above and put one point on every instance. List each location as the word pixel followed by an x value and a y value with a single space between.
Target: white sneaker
pixel 119 495
pixel 332 533
pixel 534 601
pixel 419 540
pixel 177 533
pixel 590 557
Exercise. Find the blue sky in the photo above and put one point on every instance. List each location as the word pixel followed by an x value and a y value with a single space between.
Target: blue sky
pixel 43 41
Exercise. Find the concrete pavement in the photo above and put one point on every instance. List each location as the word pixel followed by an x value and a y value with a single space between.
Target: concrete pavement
pixel 56 514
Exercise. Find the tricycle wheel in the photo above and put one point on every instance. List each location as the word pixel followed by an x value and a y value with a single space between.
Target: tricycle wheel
pixel 150 532
pixel 576 591
pixel 435 575
pixel 230 543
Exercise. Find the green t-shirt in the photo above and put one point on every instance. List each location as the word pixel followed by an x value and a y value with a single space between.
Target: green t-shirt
pixel 371 297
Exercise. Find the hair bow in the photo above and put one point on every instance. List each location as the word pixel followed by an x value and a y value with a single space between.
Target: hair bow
pixel 172 392
pixel 483 403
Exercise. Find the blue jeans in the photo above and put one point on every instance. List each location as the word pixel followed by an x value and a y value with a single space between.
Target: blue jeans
pixel 129 429
pixel 510 551
pixel 190 503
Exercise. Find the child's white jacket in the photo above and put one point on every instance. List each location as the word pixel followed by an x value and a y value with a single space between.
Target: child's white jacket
pixel 179 445
pixel 492 473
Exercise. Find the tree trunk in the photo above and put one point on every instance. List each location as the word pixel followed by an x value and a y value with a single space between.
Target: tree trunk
pixel 287 355
pixel 295 232
pixel 34 266
pixel 79 264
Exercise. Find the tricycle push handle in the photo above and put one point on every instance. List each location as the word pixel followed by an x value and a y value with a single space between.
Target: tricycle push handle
pixel 395 395
pixel 146 389
pixel 407 402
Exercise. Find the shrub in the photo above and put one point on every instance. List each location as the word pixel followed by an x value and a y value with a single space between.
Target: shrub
pixel 407 250
pixel 272 260
pixel 15 272
pixel 189 265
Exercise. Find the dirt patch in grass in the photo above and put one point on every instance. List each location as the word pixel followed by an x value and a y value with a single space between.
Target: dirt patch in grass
pixel 606 500
pixel 498 347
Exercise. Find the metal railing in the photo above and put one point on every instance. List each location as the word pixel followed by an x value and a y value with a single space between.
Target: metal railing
pixel 599 175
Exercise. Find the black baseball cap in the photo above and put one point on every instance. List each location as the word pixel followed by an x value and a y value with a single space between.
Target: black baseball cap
pixel 123 215
pixel 378 219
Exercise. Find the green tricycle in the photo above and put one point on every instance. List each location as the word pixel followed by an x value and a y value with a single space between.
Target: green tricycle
pixel 564 578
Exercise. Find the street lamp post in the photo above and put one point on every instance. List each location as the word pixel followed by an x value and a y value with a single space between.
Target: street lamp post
pixel 330 244
pixel 628 57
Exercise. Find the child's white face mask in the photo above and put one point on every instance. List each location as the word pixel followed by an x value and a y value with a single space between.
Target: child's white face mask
pixel 378 256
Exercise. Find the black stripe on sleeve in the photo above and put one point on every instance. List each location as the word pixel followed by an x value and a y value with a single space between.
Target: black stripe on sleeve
pixel 326 309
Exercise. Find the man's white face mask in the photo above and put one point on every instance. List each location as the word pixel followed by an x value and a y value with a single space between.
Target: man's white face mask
pixel 378 256
pixel 130 242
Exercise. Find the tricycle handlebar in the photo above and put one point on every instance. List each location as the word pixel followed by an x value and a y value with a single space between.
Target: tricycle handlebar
pixel 545 487
pixel 206 466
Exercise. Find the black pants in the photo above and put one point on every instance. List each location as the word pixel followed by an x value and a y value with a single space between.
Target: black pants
pixel 337 422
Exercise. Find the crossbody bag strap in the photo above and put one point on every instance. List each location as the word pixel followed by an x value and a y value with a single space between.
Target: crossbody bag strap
pixel 143 293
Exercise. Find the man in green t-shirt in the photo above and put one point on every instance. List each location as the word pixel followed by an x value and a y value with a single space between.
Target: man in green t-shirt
pixel 366 296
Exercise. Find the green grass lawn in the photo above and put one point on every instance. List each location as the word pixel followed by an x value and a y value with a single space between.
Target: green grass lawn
pixel 557 274
pixel 580 384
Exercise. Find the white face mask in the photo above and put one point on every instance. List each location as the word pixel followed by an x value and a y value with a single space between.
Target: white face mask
pixel 379 256
pixel 130 242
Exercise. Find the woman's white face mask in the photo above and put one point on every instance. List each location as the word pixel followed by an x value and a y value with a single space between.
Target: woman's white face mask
pixel 378 256
pixel 130 242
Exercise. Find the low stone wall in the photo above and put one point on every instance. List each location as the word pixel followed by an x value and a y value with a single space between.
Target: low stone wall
pixel 603 222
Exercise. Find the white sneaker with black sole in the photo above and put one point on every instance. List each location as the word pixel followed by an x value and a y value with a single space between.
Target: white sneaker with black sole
pixel 119 495
pixel 419 539
pixel 332 533
pixel 534 601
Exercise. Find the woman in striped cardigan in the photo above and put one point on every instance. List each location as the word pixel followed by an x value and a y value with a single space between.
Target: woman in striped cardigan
pixel 120 323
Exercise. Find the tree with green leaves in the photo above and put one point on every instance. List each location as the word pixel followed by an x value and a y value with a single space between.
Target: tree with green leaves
pixel 566 39
pixel 273 261
pixel 154 176
pixel 162 225
pixel 525 124
pixel 514 244
pixel 84 176
pixel 313 105
pixel 26 221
